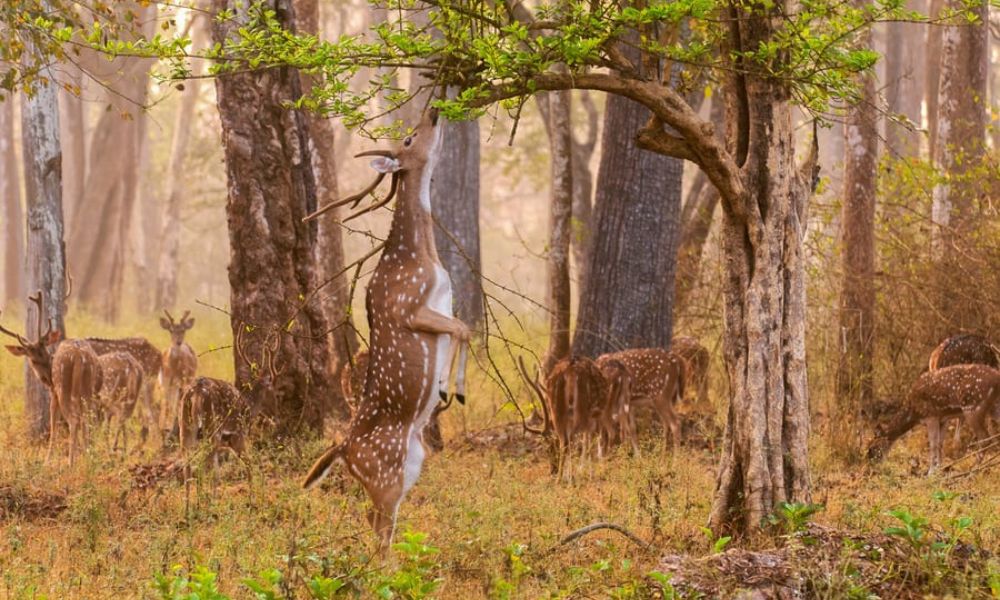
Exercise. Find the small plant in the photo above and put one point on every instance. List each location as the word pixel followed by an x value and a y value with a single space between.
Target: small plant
pixel 717 544
pixel 663 581
pixel 200 584
pixel 913 529
pixel 794 516
pixel 265 586
pixel 416 579
pixel 502 588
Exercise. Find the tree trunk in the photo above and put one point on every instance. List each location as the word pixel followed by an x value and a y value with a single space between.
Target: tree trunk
pixel 46 253
pixel 330 247
pixel 272 252
pixel 455 197
pixel 13 217
pixel 627 301
pixel 100 233
pixel 904 85
pixel 168 270
pixel 857 295
pixel 73 133
pixel 560 225
pixel 959 150
pixel 765 454
pixel 146 236
pixel 932 80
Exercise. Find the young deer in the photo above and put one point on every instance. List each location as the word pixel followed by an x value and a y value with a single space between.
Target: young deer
pixel 970 390
pixel 656 379
pixel 963 349
pixel 72 376
pixel 121 385
pixel 180 363
pixel 150 359
pixel 696 359
pixel 617 420
pixel 414 337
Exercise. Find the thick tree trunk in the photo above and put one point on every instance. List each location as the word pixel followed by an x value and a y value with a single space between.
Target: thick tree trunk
pixel 959 149
pixel 46 253
pixel 272 252
pixel 168 269
pixel 628 299
pixel 560 225
pixel 857 295
pixel 100 234
pixel 904 64
pixel 765 455
pixel 455 198
pixel 13 216
pixel 330 247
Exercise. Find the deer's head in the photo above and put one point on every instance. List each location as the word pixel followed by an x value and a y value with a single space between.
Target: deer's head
pixel 416 154
pixel 37 351
pixel 177 329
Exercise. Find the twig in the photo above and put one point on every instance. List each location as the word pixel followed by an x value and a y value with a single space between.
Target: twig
pixel 579 533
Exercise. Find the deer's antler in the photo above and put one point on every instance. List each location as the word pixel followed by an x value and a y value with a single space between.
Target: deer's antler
pixel 350 199
pixel 169 316
pixel 379 204
pixel 13 334
pixel 38 300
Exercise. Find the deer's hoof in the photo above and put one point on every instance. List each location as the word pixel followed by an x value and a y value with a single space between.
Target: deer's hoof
pixel 460 398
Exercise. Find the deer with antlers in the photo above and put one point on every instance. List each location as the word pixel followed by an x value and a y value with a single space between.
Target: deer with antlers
pixel 72 375
pixel 179 365
pixel 656 378
pixel 414 337
pixel 972 391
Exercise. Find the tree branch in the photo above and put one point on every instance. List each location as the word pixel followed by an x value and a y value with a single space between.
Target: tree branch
pixel 652 137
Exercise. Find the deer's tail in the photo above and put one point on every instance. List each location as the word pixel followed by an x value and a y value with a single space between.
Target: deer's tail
pixel 322 467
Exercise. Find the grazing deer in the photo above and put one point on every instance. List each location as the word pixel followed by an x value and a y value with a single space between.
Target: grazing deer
pixel 180 364
pixel 72 375
pixel 121 385
pixel 970 390
pixel 963 349
pixel 656 379
pixel 697 361
pixel 617 420
pixel 414 337
pixel 150 359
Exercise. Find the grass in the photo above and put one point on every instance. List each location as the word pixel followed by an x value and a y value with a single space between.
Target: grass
pixel 485 519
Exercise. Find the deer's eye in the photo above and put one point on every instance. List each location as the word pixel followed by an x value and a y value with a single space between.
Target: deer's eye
pixel 408 141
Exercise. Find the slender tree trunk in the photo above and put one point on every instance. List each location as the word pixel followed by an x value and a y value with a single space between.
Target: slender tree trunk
pixel 765 454
pixel 959 149
pixel 272 252
pixel 46 253
pixel 13 215
pixel 145 237
pixel 628 299
pixel 330 247
pixel 560 224
pixel 168 270
pixel 73 133
pixel 932 72
pixel 857 295
pixel 904 61
pixel 455 197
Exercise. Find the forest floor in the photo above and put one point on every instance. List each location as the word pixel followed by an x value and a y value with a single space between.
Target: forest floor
pixel 486 519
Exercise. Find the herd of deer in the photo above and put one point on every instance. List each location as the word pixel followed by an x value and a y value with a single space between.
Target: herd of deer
pixel 102 380
pixel 403 379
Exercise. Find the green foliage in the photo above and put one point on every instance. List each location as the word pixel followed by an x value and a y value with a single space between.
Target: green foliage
pixel 793 517
pixel 199 584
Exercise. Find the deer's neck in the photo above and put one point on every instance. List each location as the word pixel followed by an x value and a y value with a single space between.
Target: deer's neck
pixel 412 228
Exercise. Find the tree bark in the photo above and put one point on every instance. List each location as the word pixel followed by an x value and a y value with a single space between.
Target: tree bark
pixel 455 198
pixel 73 133
pixel 46 253
pixel 560 225
pixel 904 59
pixel 272 252
pixel 168 269
pixel 932 80
pixel 857 295
pixel 627 301
pixel 330 247
pixel 13 216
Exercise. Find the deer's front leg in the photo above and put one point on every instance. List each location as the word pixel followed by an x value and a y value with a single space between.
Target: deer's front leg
pixel 430 321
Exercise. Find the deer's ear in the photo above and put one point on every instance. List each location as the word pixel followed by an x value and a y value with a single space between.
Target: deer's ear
pixel 53 338
pixel 384 164
pixel 164 323
pixel 16 350
pixel 189 323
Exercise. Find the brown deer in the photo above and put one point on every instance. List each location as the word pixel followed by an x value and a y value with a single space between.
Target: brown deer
pixel 179 365
pixel 121 386
pixel 697 360
pixel 963 349
pixel 72 375
pixel 971 390
pixel 414 337
pixel 656 379
pixel 151 360
pixel 617 421
pixel 352 379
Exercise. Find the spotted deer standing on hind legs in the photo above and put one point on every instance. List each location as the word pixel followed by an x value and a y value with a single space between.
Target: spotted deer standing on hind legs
pixel 72 375
pixel 414 337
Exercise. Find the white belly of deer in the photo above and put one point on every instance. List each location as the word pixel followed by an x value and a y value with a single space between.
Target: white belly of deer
pixel 438 300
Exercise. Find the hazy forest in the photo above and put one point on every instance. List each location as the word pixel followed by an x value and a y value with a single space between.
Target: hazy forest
pixel 454 299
